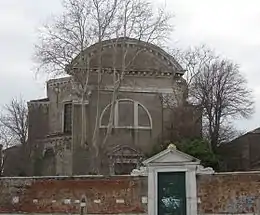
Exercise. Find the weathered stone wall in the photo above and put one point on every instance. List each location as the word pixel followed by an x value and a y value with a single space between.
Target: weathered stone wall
pixel 112 195
pixel 242 153
pixel 236 154
pixel 58 92
pixel 14 163
pixel 140 89
pixel 38 122
pixel 229 193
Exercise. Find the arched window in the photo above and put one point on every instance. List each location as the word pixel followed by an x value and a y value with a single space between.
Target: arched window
pixel 127 114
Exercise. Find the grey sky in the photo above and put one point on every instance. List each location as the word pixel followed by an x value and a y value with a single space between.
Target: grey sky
pixel 230 27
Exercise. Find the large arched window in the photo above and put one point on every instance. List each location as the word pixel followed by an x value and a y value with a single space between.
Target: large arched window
pixel 127 114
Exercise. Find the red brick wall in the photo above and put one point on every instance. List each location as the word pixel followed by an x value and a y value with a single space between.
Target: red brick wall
pixel 47 195
pixel 227 193
pixel 230 193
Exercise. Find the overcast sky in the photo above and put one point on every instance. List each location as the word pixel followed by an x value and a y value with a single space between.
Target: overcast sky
pixel 230 27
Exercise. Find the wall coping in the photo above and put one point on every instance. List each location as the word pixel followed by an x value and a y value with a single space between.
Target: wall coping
pixel 236 173
pixel 73 177
pixel 17 213
pixel 113 176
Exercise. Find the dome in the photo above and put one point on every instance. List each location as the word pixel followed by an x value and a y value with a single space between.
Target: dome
pixel 139 56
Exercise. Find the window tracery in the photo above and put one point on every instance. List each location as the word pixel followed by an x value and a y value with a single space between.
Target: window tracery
pixel 127 114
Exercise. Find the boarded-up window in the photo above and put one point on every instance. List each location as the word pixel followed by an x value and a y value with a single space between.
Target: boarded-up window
pixel 67 118
pixel 128 114
pixel 143 117
pixel 125 113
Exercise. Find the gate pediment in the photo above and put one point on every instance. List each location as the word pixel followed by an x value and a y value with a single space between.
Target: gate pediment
pixel 171 156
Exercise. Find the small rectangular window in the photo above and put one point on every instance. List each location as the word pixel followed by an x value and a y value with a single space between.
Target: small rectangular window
pixel 67 118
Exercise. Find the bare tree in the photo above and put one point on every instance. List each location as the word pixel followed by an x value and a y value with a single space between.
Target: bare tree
pixel 13 121
pixel 193 59
pixel 63 41
pixel 220 89
pixel 184 115
pixel 6 141
pixel 13 127
pixel 217 87
pixel 84 23
pixel 229 132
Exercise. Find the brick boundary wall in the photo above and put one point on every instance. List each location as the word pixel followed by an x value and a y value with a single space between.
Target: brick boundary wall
pixel 220 193
pixel 229 193
pixel 105 195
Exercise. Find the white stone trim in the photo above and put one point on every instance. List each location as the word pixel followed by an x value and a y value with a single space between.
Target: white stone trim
pixel 152 160
pixel 168 90
pixel 115 114
pixel 129 127
pixel 78 102
pixel 136 123
pixel 201 170
pixel 155 89
pixel 142 171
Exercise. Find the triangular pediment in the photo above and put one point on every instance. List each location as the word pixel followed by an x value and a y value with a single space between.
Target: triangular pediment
pixel 124 151
pixel 171 155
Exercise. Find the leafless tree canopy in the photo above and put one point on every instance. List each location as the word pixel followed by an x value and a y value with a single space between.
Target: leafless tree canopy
pixel 13 126
pixel 193 59
pixel 85 22
pixel 13 123
pixel 218 86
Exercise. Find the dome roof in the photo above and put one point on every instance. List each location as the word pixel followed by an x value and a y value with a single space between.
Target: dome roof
pixel 140 56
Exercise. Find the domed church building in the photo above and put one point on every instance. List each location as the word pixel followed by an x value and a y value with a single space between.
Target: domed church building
pixel 142 85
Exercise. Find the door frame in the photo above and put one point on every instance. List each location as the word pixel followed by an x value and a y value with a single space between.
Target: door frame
pixel 190 187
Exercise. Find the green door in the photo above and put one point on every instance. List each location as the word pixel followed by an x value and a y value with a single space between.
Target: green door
pixel 171 193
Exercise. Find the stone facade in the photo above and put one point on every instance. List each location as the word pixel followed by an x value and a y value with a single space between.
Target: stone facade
pixel 151 91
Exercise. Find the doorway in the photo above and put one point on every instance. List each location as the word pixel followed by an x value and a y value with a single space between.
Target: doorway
pixel 171 198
